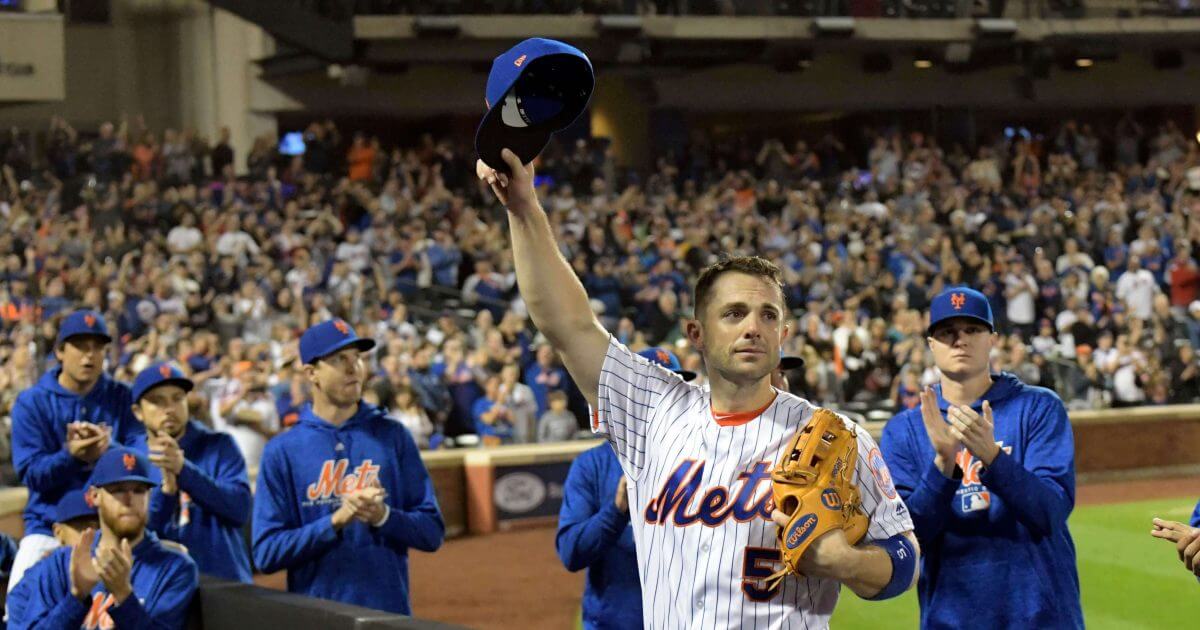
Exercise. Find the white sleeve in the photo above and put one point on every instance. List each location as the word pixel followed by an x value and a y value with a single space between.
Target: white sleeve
pixel 632 392
pixel 886 510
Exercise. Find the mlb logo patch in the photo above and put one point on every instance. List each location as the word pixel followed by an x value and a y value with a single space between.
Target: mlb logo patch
pixel 976 501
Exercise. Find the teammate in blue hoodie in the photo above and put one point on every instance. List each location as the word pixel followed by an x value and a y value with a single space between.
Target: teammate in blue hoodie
pixel 123 578
pixel 986 465
pixel 594 530
pixel 203 499
pixel 62 425
pixel 343 495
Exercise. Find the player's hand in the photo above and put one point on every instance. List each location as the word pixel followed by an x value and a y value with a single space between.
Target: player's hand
pixel 368 504
pixel 1186 539
pixel 165 453
pixel 83 575
pixel 86 441
pixel 976 431
pixel 170 483
pixel 622 498
pixel 515 191
pixel 945 446
pixel 114 565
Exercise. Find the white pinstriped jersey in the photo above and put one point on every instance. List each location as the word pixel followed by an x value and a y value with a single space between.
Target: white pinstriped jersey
pixel 700 495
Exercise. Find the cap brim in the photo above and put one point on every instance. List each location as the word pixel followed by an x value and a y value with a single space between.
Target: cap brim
pixel 146 480
pixel 363 345
pixel 981 320
pixel 790 363
pixel 686 375
pixel 493 136
pixel 183 383
pixel 107 338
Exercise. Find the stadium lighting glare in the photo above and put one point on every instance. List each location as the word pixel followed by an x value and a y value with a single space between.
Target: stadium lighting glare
pixel 922 63
pixel 1084 62
pixel 1198 136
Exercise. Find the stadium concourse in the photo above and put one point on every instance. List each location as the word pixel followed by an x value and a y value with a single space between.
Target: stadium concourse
pixel 1082 241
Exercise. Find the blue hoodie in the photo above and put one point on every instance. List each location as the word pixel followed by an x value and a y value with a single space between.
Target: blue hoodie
pixel 39 437
pixel 213 503
pixel 593 533
pixel 163 582
pixel 1196 516
pixel 1000 534
pixel 300 483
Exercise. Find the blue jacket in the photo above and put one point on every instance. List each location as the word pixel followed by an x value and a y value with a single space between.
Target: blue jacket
pixel 163 583
pixel 1000 534
pixel 593 533
pixel 39 437
pixel 1195 522
pixel 300 484
pixel 212 505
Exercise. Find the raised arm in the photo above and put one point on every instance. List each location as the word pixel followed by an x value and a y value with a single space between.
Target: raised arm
pixel 556 300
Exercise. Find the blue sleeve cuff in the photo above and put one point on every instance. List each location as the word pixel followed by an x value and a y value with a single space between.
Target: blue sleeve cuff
pixel 71 608
pixel 187 476
pixel 614 520
pixel 941 485
pixel 129 614
pixel 999 472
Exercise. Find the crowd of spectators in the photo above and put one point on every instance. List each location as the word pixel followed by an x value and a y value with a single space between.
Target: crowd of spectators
pixel 1083 243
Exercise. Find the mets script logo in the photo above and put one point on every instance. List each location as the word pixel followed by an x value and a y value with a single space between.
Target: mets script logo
pixel 831 499
pixel 90 320
pixel 97 617
pixel 165 370
pixel 520 60
pixel 341 326
pixel 129 461
pixel 800 530
pixel 717 505
pixel 958 300
pixel 973 496
pixel 334 482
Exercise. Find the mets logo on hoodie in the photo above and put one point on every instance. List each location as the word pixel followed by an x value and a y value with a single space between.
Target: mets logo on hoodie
pixel 973 495
pixel 333 481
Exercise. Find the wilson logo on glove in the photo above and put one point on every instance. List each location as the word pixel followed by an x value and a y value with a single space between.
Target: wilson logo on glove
pixel 831 499
pixel 801 529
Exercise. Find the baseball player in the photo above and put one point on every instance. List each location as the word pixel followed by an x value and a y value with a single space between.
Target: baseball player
pixel 62 425
pixel 74 514
pixel 123 578
pixel 986 464
pixel 343 495
pixel 698 461
pixel 1185 537
pixel 203 497
pixel 594 530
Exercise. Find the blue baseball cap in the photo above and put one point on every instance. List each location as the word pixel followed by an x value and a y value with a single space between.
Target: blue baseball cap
pixel 326 338
pixel 80 323
pixel 119 464
pixel 534 88
pixel 960 302
pixel 74 504
pixel 161 373
pixel 667 359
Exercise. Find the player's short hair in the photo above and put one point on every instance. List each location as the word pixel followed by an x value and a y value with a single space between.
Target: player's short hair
pixel 749 265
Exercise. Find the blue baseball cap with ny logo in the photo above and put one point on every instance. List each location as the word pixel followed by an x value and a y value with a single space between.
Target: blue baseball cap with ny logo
pixel 958 302
pixel 534 89
pixel 328 337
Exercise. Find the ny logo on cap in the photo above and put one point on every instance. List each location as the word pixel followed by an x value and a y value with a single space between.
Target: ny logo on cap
pixel 662 357
pixel 165 370
pixel 87 498
pixel 520 60
pixel 341 326
pixel 90 320
pixel 129 460
pixel 958 300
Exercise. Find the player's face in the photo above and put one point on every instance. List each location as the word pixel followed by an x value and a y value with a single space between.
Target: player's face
pixel 82 357
pixel 123 507
pixel 163 409
pixel 340 377
pixel 741 328
pixel 961 348
pixel 69 533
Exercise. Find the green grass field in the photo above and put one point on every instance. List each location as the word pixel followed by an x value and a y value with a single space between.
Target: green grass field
pixel 1129 580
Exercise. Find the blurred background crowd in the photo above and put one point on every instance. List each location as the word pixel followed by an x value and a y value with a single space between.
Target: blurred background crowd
pixel 1081 239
